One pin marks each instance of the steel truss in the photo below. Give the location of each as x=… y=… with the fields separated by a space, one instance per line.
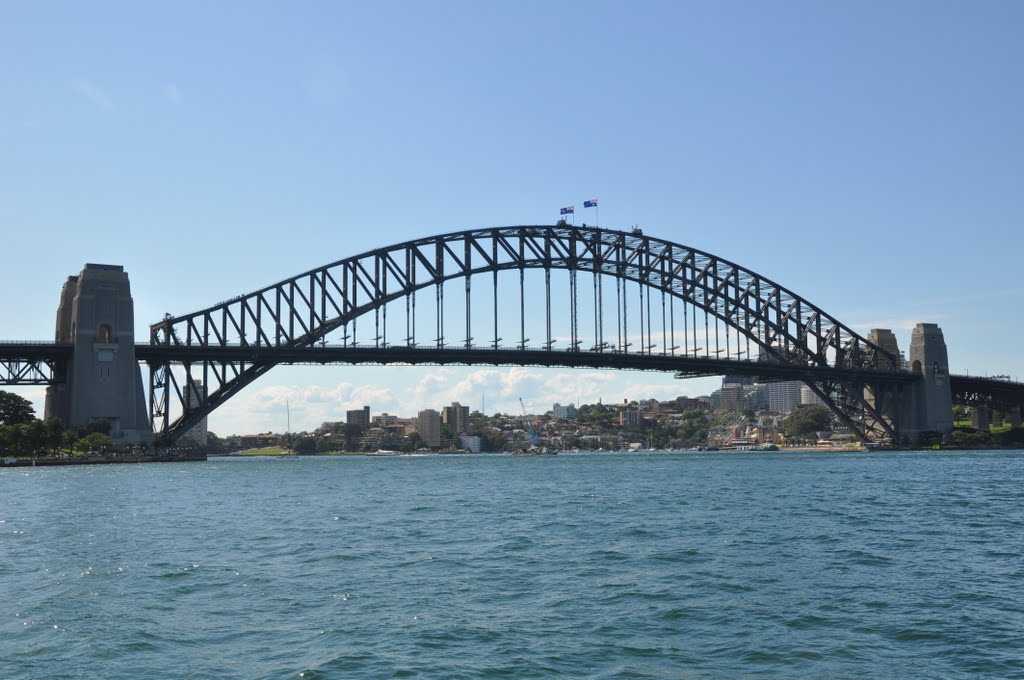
x=1000 y=394
x=301 y=311
x=33 y=363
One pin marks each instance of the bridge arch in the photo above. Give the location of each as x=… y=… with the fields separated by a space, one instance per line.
x=303 y=310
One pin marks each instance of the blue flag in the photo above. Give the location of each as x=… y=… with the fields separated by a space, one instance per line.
x=592 y=203
x=571 y=210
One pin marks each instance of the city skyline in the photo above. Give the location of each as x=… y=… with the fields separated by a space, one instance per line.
x=865 y=157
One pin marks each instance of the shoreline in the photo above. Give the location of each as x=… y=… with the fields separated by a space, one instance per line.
x=101 y=460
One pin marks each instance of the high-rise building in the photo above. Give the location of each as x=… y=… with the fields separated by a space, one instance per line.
x=567 y=412
x=455 y=419
x=629 y=417
x=359 y=417
x=757 y=397
x=715 y=400
x=197 y=434
x=428 y=425
x=733 y=397
x=784 y=396
x=809 y=397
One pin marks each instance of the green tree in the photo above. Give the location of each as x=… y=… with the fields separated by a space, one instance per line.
x=54 y=434
x=94 y=441
x=351 y=434
x=15 y=409
x=8 y=437
x=304 y=445
x=805 y=421
x=415 y=441
x=214 y=444
x=34 y=434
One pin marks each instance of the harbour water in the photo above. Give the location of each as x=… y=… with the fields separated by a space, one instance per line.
x=651 y=565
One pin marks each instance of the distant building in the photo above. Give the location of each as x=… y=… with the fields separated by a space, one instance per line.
x=197 y=435
x=455 y=419
x=715 y=400
x=470 y=442
x=688 y=403
x=567 y=412
x=428 y=425
x=629 y=417
x=259 y=441
x=757 y=397
x=809 y=397
x=359 y=417
x=784 y=397
x=384 y=419
x=734 y=397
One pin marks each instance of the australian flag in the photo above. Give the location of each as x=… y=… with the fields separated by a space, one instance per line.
x=571 y=210
x=592 y=203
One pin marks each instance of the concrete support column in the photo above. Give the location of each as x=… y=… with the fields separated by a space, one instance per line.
x=931 y=400
x=1015 y=417
x=980 y=418
x=888 y=408
x=103 y=382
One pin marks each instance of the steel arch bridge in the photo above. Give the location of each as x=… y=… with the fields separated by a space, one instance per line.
x=674 y=308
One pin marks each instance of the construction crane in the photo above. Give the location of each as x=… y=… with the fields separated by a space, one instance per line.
x=534 y=438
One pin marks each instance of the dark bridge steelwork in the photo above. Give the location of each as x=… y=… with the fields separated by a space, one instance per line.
x=999 y=394
x=33 y=363
x=726 y=311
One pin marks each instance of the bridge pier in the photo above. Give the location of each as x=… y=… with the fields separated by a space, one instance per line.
x=997 y=419
x=103 y=381
x=981 y=418
x=931 y=399
x=1014 y=416
x=889 y=405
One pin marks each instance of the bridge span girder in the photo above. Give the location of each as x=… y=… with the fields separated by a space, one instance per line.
x=33 y=363
x=199 y=360
x=753 y=312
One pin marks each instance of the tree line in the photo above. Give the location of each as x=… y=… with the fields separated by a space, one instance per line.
x=22 y=433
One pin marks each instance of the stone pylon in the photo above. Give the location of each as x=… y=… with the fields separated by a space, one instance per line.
x=931 y=403
x=887 y=404
x=103 y=381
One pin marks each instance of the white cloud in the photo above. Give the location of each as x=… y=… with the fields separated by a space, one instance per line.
x=93 y=93
x=267 y=408
x=406 y=390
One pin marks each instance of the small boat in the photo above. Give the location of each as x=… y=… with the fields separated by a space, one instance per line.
x=535 y=451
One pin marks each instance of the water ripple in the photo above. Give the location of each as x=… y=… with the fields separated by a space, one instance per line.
x=602 y=566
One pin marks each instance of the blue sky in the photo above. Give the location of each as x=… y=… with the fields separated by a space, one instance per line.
x=866 y=155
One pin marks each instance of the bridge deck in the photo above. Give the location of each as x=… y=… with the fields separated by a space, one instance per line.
x=33 y=362
x=508 y=356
